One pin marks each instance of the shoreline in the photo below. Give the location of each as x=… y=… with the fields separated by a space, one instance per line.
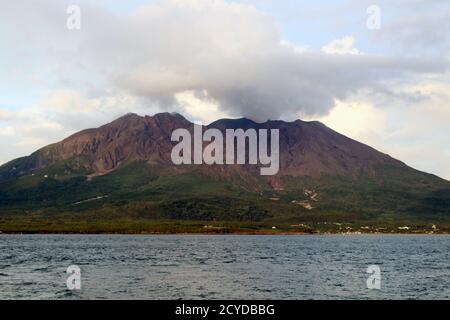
x=223 y=234
x=126 y=227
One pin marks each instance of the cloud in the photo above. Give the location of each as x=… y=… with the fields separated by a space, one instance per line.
x=358 y=119
x=5 y=114
x=232 y=51
x=200 y=107
x=6 y=132
x=341 y=46
x=416 y=131
x=58 y=114
x=235 y=53
x=411 y=26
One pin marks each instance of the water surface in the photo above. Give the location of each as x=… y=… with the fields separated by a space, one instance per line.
x=224 y=267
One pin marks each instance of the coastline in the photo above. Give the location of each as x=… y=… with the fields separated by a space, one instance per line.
x=226 y=234
x=180 y=227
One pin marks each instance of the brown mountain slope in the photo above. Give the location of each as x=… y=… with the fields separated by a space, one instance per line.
x=306 y=148
x=124 y=170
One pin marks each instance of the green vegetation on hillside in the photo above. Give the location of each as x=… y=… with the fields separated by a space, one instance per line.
x=137 y=198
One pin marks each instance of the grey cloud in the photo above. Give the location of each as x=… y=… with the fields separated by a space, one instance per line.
x=412 y=26
x=232 y=51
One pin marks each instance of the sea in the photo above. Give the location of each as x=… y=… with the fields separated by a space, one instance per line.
x=198 y=267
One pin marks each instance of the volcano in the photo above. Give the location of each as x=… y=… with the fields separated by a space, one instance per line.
x=123 y=170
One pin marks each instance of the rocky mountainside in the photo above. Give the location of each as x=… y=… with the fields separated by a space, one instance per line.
x=124 y=169
x=306 y=148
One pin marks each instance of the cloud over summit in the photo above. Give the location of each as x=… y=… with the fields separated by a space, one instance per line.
x=231 y=51
x=236 y=54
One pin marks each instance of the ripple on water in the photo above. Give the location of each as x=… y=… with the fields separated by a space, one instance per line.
x=220 y=267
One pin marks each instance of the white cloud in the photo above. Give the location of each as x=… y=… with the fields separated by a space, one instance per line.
x=58 y=114
x=5 y=114
x=416 y=132
x=345 y=45
x=231 y=50
x=7 y=131
x=236 y=53
x=199 y=107
x=294 y=47
x=357 y=119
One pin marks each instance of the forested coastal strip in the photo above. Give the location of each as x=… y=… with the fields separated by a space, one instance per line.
x=58 y=226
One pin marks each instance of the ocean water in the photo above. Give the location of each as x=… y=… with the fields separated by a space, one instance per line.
x=224 y=267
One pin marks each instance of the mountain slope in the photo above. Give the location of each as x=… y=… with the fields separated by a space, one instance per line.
x=306 y=148
x=123 y=169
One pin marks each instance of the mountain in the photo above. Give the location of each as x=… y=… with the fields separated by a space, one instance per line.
x=123 y=170
x=306 y=148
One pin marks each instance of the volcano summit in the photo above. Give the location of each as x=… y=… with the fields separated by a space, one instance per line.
x=120 y=178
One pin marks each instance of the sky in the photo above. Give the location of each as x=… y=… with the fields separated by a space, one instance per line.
x=377 y=71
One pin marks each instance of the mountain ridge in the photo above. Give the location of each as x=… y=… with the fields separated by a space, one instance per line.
x=111 y=146
x=123 y=170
